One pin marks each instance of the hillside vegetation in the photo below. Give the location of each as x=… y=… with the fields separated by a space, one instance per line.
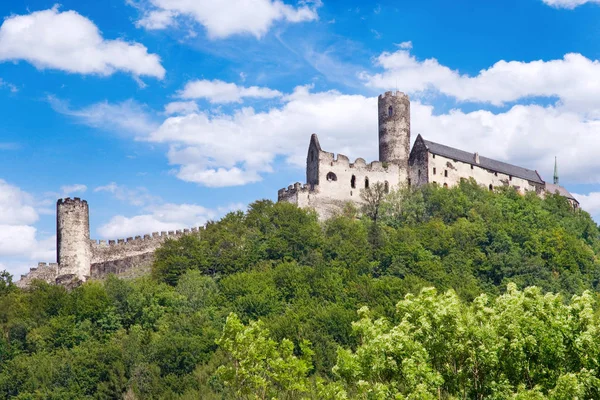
x=428 y=296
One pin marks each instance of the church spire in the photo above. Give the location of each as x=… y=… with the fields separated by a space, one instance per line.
x=555 y=171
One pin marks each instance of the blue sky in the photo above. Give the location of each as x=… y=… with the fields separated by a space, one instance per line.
x=166 y=113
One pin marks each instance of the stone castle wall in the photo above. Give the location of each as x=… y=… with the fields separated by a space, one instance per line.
x=119 y=256
x=438 y=167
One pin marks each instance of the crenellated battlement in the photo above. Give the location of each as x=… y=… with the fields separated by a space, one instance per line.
x=73 y=201
x=147 y=238
x=396 y=93
x=111 y=250
x=46 y=272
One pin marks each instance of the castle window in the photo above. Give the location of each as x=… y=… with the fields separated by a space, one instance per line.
x=446 y=173
x=434 y=170
x=445 y=185
x=471 y=166
x=353 y=182
x=386 y=188
x=419 y=175
x=433 y=155
x=409 y=182
x=390 y=111
x=366 y=183
x=491 y=187
x=331 y=177
x=495 y=173
x=510 y=177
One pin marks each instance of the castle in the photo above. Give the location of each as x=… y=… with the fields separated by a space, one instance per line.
x=330 y=183
x=79 y=258
x=333 y=181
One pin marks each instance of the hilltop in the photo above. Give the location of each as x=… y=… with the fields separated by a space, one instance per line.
x=165 y=335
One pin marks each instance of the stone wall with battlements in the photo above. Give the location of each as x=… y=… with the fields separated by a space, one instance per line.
x=119 y=256
x=339 y=181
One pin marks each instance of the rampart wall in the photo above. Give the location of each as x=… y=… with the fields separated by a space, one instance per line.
x=119 y=257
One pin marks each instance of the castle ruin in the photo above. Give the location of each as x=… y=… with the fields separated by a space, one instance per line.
x=333 y=181
x=79 y=258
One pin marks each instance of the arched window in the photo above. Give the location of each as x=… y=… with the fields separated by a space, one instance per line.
x=390 y=111
x=491 y=187
x=445 y=185
x=366 y=183
x=353 y=182
x=386 y=187
x=331 y=177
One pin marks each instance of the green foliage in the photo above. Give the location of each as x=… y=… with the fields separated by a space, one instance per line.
x=259 y=367
x=523 y=344
x=291 y=280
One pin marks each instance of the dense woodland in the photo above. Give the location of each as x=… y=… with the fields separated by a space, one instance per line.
x=433 y=293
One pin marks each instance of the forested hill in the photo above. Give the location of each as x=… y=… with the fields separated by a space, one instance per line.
x=424 y=297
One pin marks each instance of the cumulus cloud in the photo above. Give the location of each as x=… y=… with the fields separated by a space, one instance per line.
x=128 y=117
x=569 y=4
x=70 y=189
x=165 y=217
x=138 y=196
x=217 y=91
x=70 y=42
x=238 y=148
x=181 y=107
x=589 y=202
x=18 y=236
x=222 y=19
x=574 y=79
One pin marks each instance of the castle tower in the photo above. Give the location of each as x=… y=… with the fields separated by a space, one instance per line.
x=394 y=129
x=73 y=248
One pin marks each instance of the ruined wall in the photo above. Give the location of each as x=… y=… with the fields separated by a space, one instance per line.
x=73 y=252
x=394 y=128
x=120 y=257
x=457 y=170
x=312 y=161
x=419 y=164
x=339 y=182
x=44 y=272
x=111 y=250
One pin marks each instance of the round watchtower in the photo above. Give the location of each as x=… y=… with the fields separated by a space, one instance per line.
x=394 y=129
x=73 y=248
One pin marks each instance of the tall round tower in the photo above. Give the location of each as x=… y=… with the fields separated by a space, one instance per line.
x=73 y=247
x=394 y=129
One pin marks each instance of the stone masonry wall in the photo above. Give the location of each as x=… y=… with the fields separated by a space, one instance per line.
x=457 y=170
x=113 y=256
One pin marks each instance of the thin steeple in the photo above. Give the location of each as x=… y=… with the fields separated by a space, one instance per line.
x=555 y=171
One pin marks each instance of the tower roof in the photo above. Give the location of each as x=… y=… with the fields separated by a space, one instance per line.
x=484 y=162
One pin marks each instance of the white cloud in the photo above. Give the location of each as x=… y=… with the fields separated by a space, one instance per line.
x=406 y=45
x=138 y=196
x=236 y=149
x=181 y=107
x=222 y=19
x=16 y=206
x=18 y=237
x=127 y=117
x=227 y=150
x=70 y=42
x=569 y=4
x=166 y=217
x=70 y=189
x=575 y=79
x=589 y=202
x=157 y=20
x=217 y=91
